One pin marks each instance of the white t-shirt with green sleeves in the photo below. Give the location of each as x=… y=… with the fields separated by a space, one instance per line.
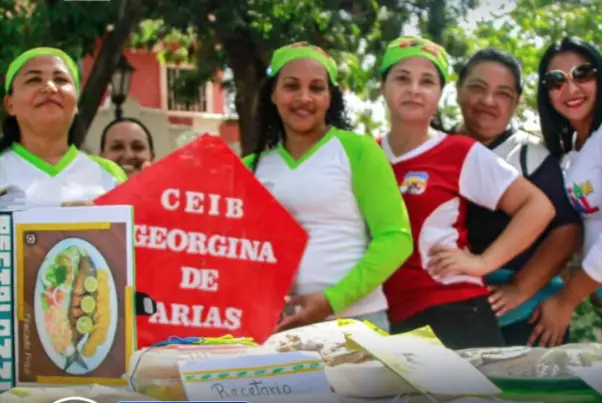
x=344 y=193
x=26 y=181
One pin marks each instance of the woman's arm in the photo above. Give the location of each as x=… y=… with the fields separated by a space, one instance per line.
x=545 y=263
x=563 y=237
x=530 y=211
x=554 y=315
x=489 y=181
x=587 y=279
x=379 y=199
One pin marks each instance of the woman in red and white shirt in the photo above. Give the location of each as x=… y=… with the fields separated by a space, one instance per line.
x=441 y=283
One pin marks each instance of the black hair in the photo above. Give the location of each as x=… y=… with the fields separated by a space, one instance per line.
x=149 y=137
x=269 y=130
x=493 y=55
x=11 y=133
x=556 y=129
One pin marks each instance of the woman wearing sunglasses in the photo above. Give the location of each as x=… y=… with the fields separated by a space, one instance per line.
x=441 y=284
x=570 y=109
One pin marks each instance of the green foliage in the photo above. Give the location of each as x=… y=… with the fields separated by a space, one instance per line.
x=586 y=325
x=215 y=34
x=242 y=35
x=71 y=26
x=529 y=28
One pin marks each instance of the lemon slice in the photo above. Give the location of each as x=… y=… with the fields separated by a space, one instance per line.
x=90 y=284
x=88 y=304
x=84 y=325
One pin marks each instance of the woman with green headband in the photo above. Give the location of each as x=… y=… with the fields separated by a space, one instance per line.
x=441 y=284
x=39 y=163
x=338 y=185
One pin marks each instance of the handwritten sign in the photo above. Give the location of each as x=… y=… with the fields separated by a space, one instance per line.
x=256 y=377
x=430 y=368
x=214 y=249
x=590 y=375
x=7 y=361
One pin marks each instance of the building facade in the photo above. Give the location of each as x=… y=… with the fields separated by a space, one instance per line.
x=172 y=119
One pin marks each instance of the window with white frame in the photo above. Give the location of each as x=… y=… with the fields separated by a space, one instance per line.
x=183 y=92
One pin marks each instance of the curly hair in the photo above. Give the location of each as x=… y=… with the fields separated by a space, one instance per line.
x=269 y=129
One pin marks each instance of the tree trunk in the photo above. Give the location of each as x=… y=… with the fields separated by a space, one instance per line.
x=244 y=58
x=105 y=64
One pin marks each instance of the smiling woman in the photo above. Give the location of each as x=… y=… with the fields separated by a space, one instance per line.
x=441 y=283
x=129 y=143
x=39 y=164
x=336 y=184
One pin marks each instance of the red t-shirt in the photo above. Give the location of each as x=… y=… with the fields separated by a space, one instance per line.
x=437 y=179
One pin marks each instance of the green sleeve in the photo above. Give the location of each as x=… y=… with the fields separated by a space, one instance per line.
x=379 y=199
x=248 y=160
x=111 y=167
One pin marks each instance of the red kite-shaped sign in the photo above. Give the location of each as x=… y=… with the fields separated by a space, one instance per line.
x=214 y=249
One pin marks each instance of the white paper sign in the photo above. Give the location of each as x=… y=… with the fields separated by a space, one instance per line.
x=256 y=378
x=430 y=368
x=590 y=375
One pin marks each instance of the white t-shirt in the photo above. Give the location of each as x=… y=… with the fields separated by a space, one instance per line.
x=343 y=192
x=584 y=188
x=26 y=181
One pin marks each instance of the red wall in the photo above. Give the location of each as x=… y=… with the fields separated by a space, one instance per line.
x=146 y=88
x=146 y=80
x=219 y=96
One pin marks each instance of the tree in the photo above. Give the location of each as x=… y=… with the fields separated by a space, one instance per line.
x=241 y=35
x=529 y=28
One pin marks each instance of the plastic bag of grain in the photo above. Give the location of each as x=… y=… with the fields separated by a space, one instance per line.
x=351 y=371
x=154 y=371
x=354 y=373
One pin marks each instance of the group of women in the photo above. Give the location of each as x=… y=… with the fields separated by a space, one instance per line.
x=465 y=230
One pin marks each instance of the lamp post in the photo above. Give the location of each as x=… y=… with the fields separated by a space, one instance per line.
x=120 y=85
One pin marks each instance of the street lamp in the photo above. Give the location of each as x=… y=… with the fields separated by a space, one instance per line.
x=120 y=84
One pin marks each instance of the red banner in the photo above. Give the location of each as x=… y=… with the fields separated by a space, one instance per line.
x=214 y=249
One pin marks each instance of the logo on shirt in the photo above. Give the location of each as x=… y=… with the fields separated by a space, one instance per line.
x=578 y=194
x=414 y=183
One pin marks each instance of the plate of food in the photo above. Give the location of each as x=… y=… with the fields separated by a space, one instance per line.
x=75 y=306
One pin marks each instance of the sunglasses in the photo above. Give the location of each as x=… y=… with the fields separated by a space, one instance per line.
x=555 y=79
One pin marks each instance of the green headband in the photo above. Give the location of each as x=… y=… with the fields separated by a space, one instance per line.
x=302 y=50
x=405 y=47
x=24 y=57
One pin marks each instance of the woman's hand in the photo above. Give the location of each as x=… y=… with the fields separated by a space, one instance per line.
x=77 y=204
x=505 y=298
x=553 y=318
x=313 y=308
x=446 y=261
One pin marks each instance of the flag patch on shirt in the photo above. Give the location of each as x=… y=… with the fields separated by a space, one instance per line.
x=414 y=183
